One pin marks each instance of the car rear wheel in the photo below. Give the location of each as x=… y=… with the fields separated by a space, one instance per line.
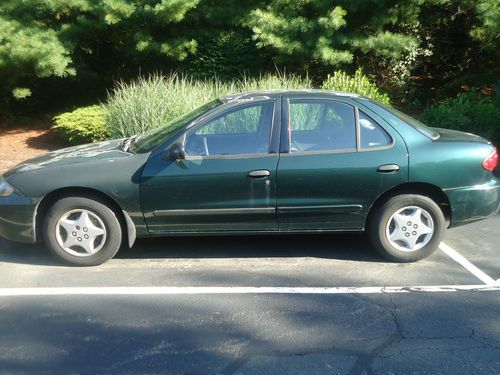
x=407 y=228
x=82 y=231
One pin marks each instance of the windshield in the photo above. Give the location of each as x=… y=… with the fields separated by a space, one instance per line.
x=394 y=117
x=149 y=140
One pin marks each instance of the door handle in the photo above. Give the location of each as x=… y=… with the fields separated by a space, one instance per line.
x=259 y=173
x=387 y=168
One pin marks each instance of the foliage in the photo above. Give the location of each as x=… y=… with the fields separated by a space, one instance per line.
x=487 y=30
x=469 y=112
x=83 y=125
x=148 y=102
x=456 y=45
x=21 y=93
x=59 y=52
x=226 y=55
x=329 y=32
x=30 y=49
x=66 y=37
x=357 y=84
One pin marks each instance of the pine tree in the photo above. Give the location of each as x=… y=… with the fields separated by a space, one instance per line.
x=331 y=32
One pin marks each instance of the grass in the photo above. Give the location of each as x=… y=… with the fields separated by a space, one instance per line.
x=148 y=102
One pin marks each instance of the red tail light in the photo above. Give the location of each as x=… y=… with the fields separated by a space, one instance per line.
x=491 y=161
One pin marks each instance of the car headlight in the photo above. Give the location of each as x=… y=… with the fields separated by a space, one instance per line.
x=5 y=188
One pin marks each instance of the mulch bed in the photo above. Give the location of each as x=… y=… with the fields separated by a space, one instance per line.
x=18 y=143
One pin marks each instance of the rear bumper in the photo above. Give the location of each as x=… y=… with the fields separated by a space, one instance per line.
x=17 y=215
x=473 y=203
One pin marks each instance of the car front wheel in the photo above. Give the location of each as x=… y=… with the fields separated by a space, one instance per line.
x=82 y=231
x=407 y=228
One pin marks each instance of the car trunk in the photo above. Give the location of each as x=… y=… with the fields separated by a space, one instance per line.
x=448 y=135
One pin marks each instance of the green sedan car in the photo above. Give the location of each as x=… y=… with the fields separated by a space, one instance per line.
x=264 y=162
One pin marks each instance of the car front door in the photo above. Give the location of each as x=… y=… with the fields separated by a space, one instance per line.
x=227 y=180
x=335 y=161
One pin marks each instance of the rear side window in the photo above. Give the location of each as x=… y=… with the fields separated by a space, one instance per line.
x=321 y=125
x=396 y=118
x=372 y=135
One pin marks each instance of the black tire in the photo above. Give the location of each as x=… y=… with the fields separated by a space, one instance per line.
x=381 y=216
x=109 y=219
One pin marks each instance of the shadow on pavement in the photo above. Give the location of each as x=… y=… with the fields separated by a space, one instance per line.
x=354 y=247
x=279 y=334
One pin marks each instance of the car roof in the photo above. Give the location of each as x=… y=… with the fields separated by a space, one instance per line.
x=263 y=94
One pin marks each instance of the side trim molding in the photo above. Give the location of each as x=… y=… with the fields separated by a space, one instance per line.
x=216 y=211
x=341 y=208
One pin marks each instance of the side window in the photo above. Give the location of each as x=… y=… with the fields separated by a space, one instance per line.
x=371 y=133
x=321 y=125
x=241 y=130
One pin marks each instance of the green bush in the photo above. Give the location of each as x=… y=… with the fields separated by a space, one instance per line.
x=149 y=102
x=468 y=112
x=83 y=125
x=357 y=84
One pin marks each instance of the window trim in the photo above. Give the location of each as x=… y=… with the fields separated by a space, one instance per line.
x=234 y=108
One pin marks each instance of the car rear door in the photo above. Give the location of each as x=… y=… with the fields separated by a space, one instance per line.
x=335 y=160
x=227 y=181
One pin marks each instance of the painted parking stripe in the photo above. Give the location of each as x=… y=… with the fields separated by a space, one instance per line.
x=453 y=254
x=165 y=290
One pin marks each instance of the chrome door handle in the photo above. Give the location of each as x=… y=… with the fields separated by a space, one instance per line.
x=259 y=173
x=387 y=168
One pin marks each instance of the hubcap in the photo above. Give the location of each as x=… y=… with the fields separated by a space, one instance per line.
x=80 y=233
x=410 y=228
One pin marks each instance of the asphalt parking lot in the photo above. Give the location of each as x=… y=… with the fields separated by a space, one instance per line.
x=255 y=305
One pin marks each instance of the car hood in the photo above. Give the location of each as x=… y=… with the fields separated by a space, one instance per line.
x=71 y=155
x=448 y=135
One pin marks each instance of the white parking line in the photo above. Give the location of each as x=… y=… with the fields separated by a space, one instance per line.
x=57 y=291
x=453 y=254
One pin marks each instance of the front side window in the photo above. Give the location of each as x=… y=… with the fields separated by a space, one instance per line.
x=372 y=134
x=149 y=140
x=321 y=126
x=241 y=130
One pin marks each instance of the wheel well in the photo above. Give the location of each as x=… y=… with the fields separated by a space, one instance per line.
x=55 y=195
x=428 y=190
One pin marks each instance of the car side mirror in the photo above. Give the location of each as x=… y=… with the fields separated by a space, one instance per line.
x=175 y=152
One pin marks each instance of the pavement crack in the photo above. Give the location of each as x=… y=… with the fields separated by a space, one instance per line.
x=247 y=357
x=365 y=361
x=482 y=340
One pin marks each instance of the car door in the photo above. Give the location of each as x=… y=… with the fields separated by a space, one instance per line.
x=335 y=161
x=227 y=181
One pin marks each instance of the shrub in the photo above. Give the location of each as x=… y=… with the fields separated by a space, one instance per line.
x=468 y=112
x=149 y=102
x=83 y=125
x=357 y=84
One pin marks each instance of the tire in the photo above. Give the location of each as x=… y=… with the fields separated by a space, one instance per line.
x=400 y=232
x=88 y=227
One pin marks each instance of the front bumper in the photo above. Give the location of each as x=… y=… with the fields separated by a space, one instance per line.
x=17 y=217
x=473 y=203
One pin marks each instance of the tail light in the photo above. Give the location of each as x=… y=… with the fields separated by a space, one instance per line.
x=491 y=161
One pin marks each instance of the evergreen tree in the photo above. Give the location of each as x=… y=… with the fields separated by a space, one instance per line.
x=331 y=32
x=63 y=37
